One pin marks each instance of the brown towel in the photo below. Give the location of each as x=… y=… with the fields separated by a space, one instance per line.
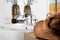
x=49 y=28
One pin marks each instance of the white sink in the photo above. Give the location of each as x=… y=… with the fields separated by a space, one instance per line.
x=16 y=27
x=12 y=32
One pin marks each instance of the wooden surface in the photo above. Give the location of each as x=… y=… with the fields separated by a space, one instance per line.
x=29 y=36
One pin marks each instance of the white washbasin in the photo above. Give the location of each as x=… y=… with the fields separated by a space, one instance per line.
x=15 y=27
x=12 y=32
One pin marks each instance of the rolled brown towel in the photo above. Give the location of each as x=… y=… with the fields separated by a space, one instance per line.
x=38 y=27
x=49 y=28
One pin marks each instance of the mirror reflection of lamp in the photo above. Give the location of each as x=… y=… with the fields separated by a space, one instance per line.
x=15 y=12
x=27 y=8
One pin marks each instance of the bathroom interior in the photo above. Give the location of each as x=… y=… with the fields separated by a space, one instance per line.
x=19 y=17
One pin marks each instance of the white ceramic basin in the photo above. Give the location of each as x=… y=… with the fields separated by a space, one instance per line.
x=16 y=27
x=12 y=32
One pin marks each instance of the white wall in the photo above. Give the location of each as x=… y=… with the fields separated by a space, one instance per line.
x=40 y=9
x=5 y=11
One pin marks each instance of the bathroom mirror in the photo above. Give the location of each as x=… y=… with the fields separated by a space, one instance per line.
x=39 y=9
